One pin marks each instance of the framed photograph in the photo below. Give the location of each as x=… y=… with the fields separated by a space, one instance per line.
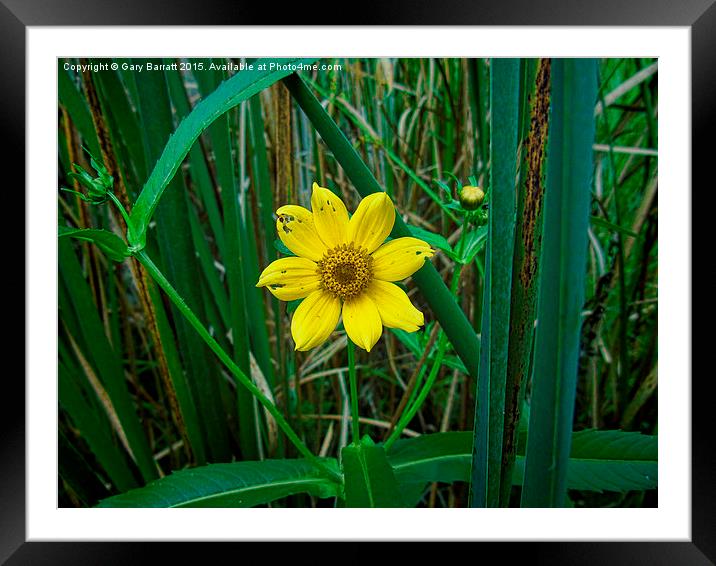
x=363 y=283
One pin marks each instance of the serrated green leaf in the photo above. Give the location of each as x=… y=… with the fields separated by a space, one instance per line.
x=239 y=484
x=609 y=460
x=601 y=460
x=108 y=242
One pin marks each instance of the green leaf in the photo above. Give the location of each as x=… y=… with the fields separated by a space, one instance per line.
x=409 y=340
x=369 y=478
x=234 y=259
x=92 y=424
x=239 y=484
x=601 y=460
x=563 y=268
x=230 y=93
x=101 y=355
x=281 y=247
x=76 y=106
x=435 y=240
x=177 y=256
x=441 y=457
x=412 y=493
x=609 y=460
x=474 y=242
x=108 y=242
x=613 y=461
x=490 y=399
x=534 y=112
x=611 y=226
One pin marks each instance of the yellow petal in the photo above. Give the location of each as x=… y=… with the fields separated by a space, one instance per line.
x=290 y=278
x=372 y=222
x=296 y=229
x=394 y=306
x=330 y=216
x=400 y=258
x=314 y=320
x=361 y=320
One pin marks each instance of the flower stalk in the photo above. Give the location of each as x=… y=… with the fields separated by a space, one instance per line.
x=355 y=417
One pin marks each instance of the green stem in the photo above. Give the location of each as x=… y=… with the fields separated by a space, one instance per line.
x=119 y=206
x=463 y=236
x=456 y=278
x=354 y=391
x=162 y=281
x=415 y=407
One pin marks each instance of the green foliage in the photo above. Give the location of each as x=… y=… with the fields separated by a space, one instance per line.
x=230 y=93
x=370 y=481
x=600 y=460
x=490 y=408
x=240 y=484
x=97 y=187
x=108 y=242
x=170 y=357
x=562 y=275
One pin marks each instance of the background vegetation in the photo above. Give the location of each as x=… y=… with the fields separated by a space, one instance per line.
x=142 y=395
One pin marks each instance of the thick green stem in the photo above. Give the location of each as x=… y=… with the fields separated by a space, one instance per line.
x=354 y=391
x=162 y=281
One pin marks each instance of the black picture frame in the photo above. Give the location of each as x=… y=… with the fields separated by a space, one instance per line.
x=699 y=15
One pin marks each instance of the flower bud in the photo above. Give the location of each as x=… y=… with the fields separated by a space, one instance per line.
x=471 y=197
x=96 y=187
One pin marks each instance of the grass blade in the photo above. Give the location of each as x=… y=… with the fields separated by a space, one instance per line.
x=566 y=220
x=78 y=401
x=504 y=96
x=104 y=357
x=76 y=106
x=179 y=262
x=234 y=260
x=526 y=258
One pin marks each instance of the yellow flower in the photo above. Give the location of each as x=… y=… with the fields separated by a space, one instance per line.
x=341 y=267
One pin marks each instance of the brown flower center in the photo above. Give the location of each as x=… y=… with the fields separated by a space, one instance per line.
x=345 y=270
